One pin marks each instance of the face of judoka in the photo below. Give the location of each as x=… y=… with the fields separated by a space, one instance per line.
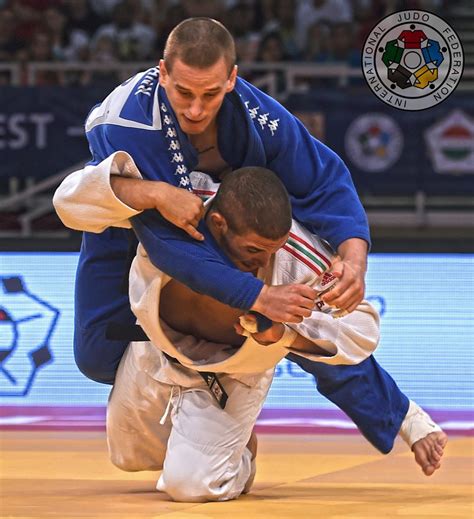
x=248 y=250
x=196 y=95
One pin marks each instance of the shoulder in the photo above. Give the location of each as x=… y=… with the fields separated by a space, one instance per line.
x=258 y=102
x=269 y=117
x=133 y=104
x=304 y=258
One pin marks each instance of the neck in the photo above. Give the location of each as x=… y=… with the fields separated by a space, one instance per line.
x=205 y=140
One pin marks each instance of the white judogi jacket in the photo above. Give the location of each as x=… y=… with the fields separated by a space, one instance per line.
x=303 y=259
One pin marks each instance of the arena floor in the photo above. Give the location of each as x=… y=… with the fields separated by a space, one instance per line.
x=67 y=475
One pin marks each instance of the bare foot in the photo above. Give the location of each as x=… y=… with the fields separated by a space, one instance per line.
x=429 y=451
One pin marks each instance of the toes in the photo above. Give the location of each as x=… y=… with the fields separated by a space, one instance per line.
x=439 y=449
x=435 y=456
x=443 y=440
x=428 y=470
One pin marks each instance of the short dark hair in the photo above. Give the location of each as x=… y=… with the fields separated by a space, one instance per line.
x=200 y=43
x=254 y=199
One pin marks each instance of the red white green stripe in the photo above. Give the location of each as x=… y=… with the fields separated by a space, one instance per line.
x=203 y=194
x=306 y=253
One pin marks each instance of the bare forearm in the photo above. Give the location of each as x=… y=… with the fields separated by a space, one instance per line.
x=354 y=251
x=137 y=193
x=178 y=206
x=350 y=268
x=306 y=346
x=299 y=343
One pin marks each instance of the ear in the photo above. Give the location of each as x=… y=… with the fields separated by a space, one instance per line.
x=218 y=222
x=231 y=80
x=163 y=73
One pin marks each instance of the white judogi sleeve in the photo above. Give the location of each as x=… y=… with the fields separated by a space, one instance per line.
x=349 y=339
x=85 y=200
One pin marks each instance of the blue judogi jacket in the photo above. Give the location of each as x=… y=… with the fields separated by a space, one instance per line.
x=253 y=130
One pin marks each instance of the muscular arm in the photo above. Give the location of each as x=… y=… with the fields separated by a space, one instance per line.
x=96 y=198
x=323 y=196
x=348 y=340
x=350 y=270
x=180 y=207
x=111 y=192
x=328 y=205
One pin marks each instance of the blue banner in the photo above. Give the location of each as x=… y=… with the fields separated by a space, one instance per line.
x=395 y=152
x=42 y=129
x=388 y=151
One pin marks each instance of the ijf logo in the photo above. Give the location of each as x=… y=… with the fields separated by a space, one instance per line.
x=374 y=142
x=26 y=326
x=412 y=60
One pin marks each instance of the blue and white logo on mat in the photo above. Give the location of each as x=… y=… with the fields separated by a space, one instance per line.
x=373 y=142
x=26 y=326
x=412 y=60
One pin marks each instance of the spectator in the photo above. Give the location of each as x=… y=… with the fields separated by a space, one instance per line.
x=272 y=50
x=103 y=50
x=241 y=21
x=29 y=16
x=341 y=48
x=134 y=40
x=40 y=49
x=284 y=22
x=264 y=14
x=210 y=8
x=366 y=14
x=329 y=11
x=163 y=21
x=55 y=24
x=82 y=23
x=317 y=44
x=10 y=44
x=105 y=8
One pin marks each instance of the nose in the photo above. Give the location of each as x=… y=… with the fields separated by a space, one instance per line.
x=195 y=109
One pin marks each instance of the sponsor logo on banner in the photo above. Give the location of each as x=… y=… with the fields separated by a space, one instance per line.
x=26 y=325
x=451 y=144
x=412 y=60
x=374 y=142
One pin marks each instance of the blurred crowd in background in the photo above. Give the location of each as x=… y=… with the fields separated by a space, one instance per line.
x=114 y=31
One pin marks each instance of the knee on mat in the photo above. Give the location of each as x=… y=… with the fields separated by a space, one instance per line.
x=131 y=462
x=194 y=487
x=190 y=491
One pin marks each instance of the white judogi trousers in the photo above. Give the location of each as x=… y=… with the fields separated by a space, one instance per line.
x=200 y=447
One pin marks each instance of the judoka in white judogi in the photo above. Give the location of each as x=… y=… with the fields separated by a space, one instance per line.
x=201 y=447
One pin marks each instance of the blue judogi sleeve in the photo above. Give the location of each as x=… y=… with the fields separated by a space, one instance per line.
x=323 y=196
x=201 y=264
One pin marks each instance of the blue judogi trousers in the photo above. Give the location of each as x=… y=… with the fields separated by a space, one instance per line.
x=366 y=393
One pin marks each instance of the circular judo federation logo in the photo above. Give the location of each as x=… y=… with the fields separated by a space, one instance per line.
x=412 y=60
x=374 y=142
